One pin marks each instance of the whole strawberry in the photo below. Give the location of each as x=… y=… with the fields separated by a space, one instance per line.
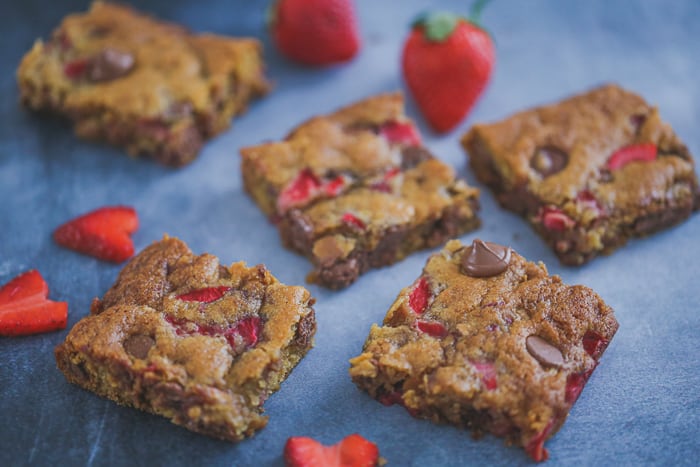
x=447 y=62
x=315 y=32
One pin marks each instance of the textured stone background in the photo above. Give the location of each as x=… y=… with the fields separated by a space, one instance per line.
x=642 y=405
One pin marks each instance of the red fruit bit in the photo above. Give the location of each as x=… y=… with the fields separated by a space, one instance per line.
x=353 y=221
x=535 y=448
x=395 y=397
x=574 y=385
x=644 y=152
x=25 y=308
x=432 y=328
x=102 y=233
x=75 y=68
x=555 y=219
x=594 y=344
x=418 y=299
x=488 y=373
x=304 y=187
x=248 y=328
x=206 y=295
x=351 y=451
x=334 y=187
x=383 y=185
x=401 y=133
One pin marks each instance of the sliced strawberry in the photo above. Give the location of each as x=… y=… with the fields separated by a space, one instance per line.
x=351 y=451
x=248 y=328
x=206 y=295
x=75 y=69
x=383 y=184
x=103 y=233
x=432 y=328
x=335 y=186
x=487 y=371
x=574 y=385
x=554 y=219
x=644 y=152
x=353 y=221
x=535 y=448
x=25 y=309
x=418 y=299
x=299 y=190
x=27 y=285
x=401 y=133
x=594 y=344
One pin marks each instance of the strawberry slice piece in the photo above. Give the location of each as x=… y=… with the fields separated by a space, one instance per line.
x=594 y=344
x=102 y=233
x=487 y=371
x=248 y=328
x=643 y=152
x=555 y=219
x=301 y=189
x=401 y=133
x=418 y=299
x=353 y=221
x=334 y=187
x=25 y=309
x=535 y=448
x=432 y=328
x=75 y=69
x=574 y=385
x=351 y=451
x=206 y=295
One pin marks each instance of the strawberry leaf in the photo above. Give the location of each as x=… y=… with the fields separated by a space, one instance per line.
x=437 y=25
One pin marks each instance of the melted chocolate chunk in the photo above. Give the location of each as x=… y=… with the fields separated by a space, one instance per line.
x=544 y=352
x=411 y=156
x=485 y=259
x=306 y=328
x=109 y=64
x=138 y=345
x=549 y=160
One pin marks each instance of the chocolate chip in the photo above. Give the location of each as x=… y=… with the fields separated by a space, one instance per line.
x=549 y=160
x=109 y=64
x=306 y=328
x=411 y=156
x=138 y=345
x=485 y=259
x=544 y=352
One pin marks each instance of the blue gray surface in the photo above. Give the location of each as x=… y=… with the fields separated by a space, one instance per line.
x=642 y=405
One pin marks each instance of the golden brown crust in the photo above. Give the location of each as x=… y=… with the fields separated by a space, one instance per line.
x=182 y=88
x=206 y=365
x=478 y=373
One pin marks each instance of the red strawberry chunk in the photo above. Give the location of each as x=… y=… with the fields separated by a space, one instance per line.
x=574 y=385
x=206 y=295
x=418 y=299
x=351 y=451
x=594 y=344
x=401 y=133
x=301 y=189
x=488 y=373
x=75 y=69
x=432 y=328
x=535 y=448
x=383 y=184
x=554 y=219
x=335 y=186
x=354 y=221
x=248 y=328
x=644 y=152
x=25 y=309
x=102 y=233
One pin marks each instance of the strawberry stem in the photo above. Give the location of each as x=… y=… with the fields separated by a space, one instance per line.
x=476 y=9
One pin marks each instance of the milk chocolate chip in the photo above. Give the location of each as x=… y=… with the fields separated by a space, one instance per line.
x=411 y=156
x=138 y=345
x=109 y=64
x=485 y=259
x=544 y=352
x=549 y=160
